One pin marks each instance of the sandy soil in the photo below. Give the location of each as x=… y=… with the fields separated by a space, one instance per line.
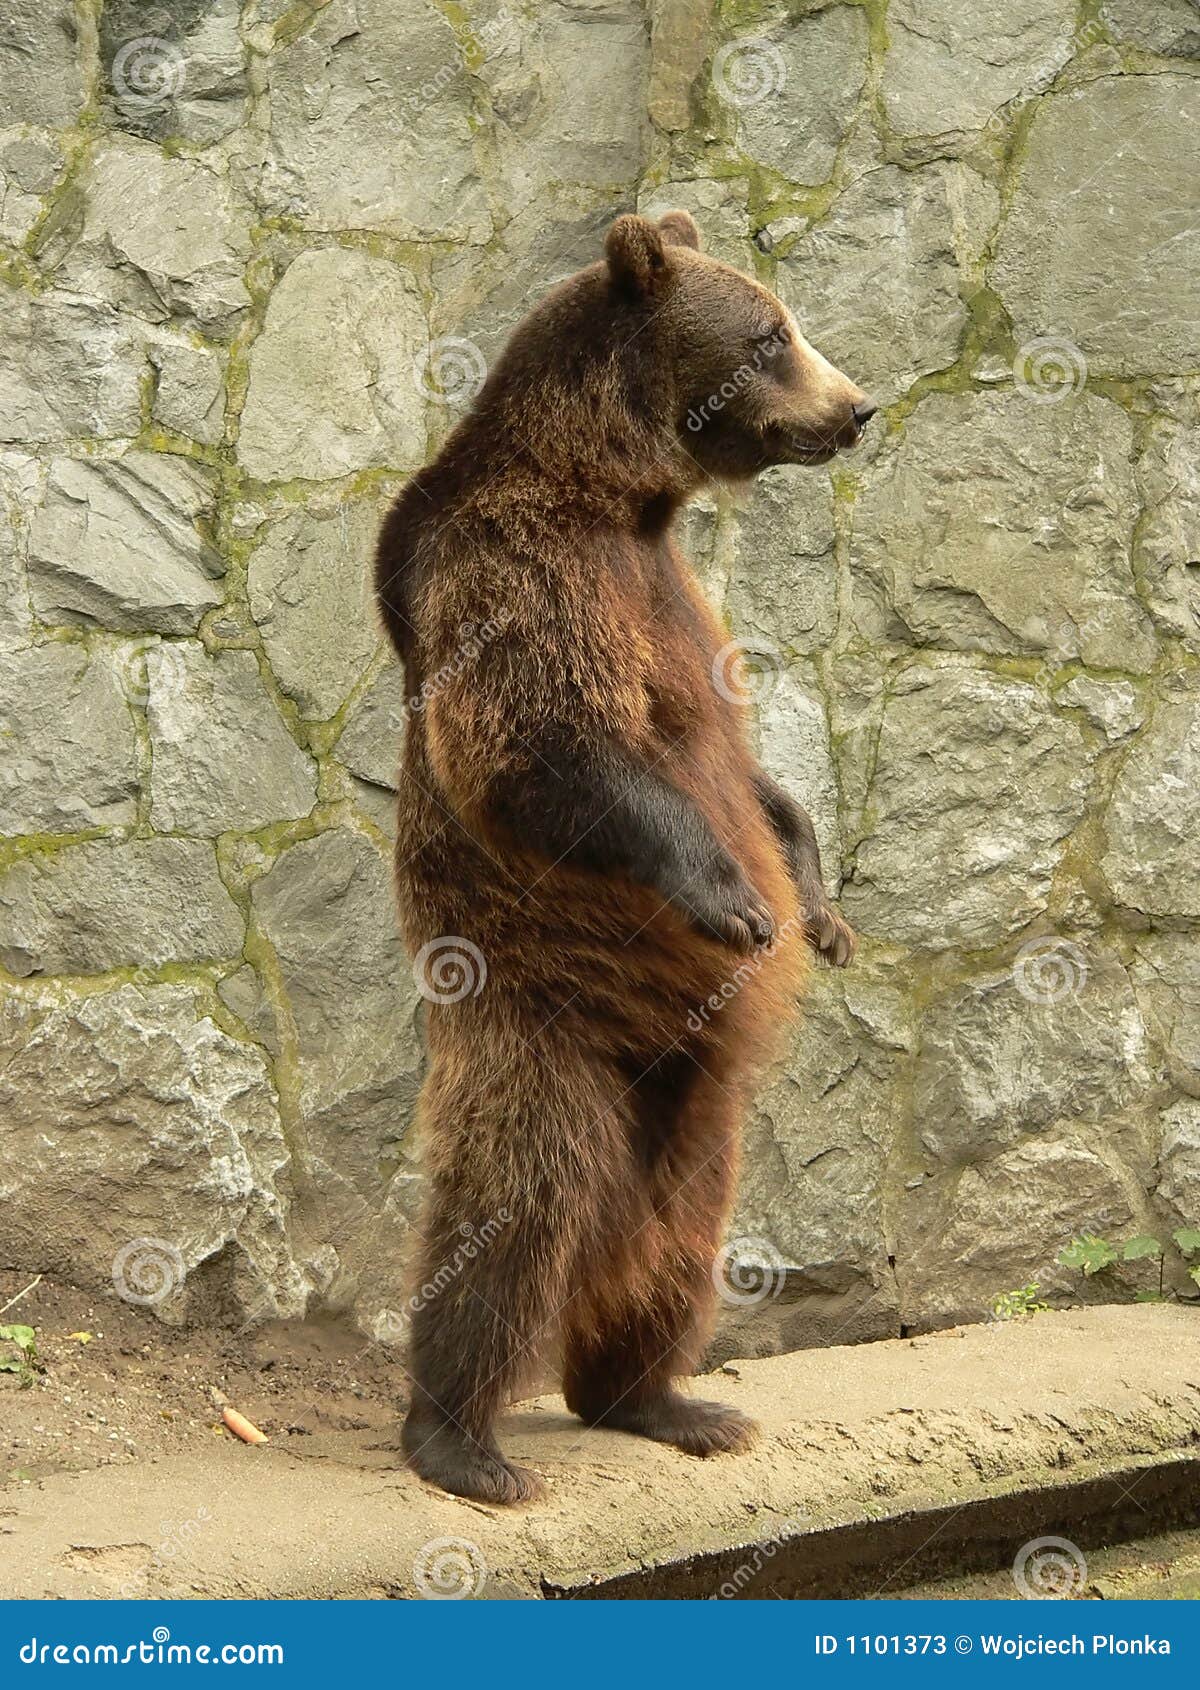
x=134 y=1390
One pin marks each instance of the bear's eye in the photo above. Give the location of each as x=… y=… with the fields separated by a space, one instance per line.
x=771 y=341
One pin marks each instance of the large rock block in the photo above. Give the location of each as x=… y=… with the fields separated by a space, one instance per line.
x=371 y=121
x=327 y=909
x=953 y=64
x=793 y=744
x=173 y=69
x=15 y=621
x=1152 y=821
x=1001 y=525
x=370 y=743
x=961 y=842
x=813 y=1184
x=1178 y=1189
x=189 y=390
x=31 y=163
x=68 y=367
x=1099 y=242
x=963 y=1239
x=567 y=87
x=1159 y=26
x=1056 y=1040
x=105 y=904
x=69 y=751
x=794 y=90
x=166 y=1173
x=1167 y=539
x=875 y=285
x=783 y=575
x=334 y=375
x=679 y=45
x=40 y=75
x=123 y=544
x=163 y=238
x=1111 y=706
x=310 y=594
x=222 y=757
x=19 y=483
x=1166 y=977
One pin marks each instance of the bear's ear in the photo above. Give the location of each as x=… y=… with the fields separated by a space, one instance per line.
x=636 y=260
x=678 y=228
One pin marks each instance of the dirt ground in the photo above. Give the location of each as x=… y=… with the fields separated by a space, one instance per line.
x=116 y=1386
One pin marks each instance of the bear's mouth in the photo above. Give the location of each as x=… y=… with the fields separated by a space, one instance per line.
x=809 y=453
x=792 y=446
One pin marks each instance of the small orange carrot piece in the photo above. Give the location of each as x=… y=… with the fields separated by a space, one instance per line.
x=242 y=1428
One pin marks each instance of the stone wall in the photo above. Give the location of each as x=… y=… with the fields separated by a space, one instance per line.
x=253 y=258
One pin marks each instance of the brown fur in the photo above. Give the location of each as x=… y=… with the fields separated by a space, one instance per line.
x=573 y=1093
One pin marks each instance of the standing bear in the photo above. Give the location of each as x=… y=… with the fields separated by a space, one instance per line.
x=584 y=831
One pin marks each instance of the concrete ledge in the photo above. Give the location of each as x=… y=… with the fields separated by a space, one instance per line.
x=879 y=1465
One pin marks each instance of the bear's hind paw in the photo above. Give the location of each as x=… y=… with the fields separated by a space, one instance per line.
x=696 y=1427
x=459 y=1465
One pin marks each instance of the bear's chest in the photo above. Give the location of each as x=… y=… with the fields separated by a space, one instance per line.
x=686 y=641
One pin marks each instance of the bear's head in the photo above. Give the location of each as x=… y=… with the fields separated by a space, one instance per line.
x=748 y=389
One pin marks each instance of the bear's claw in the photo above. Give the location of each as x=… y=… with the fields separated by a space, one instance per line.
x=831 y=937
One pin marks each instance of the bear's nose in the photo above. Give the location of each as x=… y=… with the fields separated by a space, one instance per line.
x=863 y=413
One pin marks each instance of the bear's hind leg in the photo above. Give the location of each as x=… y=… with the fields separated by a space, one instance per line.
x=517 y=1152
x=471 y=1336
x=626 y=1345
x=618 y=1380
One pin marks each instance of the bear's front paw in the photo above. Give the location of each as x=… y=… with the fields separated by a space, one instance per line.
x=831 y=937
x=731 y=911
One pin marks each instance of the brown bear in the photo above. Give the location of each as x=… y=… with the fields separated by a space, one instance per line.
x=582 y=828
